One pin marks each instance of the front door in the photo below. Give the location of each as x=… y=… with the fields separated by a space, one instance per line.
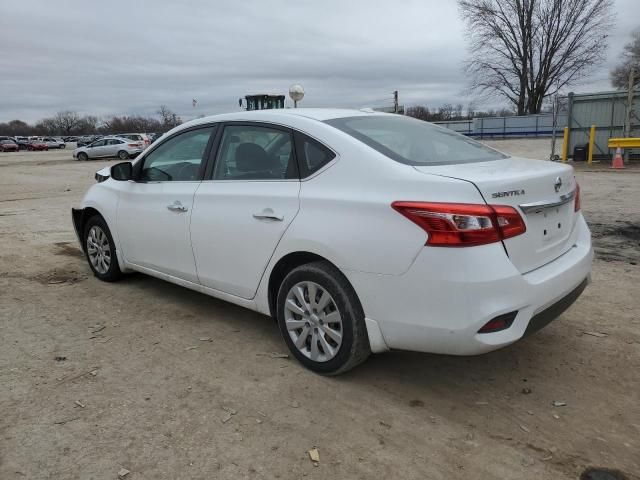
x=96 y=149
x=154 y=212
x=242 y=211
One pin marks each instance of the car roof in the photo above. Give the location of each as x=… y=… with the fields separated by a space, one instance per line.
x=275 y=115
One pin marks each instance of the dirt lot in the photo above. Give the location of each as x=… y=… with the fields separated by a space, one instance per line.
x=140 y=389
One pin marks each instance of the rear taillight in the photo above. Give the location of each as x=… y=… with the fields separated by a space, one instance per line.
x=133 y=145
x=462 y=224
x=576 y=205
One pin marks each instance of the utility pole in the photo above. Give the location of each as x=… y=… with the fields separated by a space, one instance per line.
x=627 y=118
x=395 y=101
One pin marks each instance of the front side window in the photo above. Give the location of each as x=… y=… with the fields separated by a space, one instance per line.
x=249 y=152
x=414 y=142
x=99 y=143
x=178 y=158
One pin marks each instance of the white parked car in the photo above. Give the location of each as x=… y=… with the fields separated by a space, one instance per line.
x=53 y=142
x=139 y=137
x=360 y=232
x=121 y=148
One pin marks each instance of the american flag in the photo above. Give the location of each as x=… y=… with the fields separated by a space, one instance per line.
x=194 y=102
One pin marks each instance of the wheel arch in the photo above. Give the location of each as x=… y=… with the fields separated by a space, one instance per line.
x=282 y=267
x=80 y=218
x=80 y=221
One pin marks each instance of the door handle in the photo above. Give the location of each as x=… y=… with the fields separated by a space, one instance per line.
x=177 y=207
x=268 y=214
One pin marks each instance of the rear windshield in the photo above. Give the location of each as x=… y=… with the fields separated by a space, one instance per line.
x=414 y=142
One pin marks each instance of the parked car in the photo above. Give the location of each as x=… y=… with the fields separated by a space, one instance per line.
x=69 y=139
x=37 y=145
x=121 y=148
x=23 y=142
x=358 y=231
x=87 y=139
x=53 y=143
x=8 y=145
x=143 y=137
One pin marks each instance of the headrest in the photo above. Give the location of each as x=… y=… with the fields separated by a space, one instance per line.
x=250 y=157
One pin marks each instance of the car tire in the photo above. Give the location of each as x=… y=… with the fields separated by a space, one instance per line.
x=122 y=155
x=63 y=146
x=311 y=326
x=100 y=250
x=83 y=157
x=30 y=149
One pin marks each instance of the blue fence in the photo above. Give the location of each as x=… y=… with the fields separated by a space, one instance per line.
x=503 y=127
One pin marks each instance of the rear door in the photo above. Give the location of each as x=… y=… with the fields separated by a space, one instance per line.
x=111 y=147
x=244 y=207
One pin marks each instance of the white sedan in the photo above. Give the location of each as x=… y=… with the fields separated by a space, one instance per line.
x=358 y=231
x=122 y=148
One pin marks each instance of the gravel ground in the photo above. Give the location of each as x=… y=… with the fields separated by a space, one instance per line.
x=169 y=383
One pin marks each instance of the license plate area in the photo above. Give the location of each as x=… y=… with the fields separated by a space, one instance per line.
x=551 y=224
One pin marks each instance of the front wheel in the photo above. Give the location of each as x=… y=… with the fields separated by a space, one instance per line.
x=63 y=146
x=122 y=155
x=100 y=250
x=321 y=319
x=83 y=157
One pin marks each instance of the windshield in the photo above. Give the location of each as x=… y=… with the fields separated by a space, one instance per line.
x=414 y=142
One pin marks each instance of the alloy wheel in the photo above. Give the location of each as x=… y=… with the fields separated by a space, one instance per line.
x=313 y=321
x=99 y=250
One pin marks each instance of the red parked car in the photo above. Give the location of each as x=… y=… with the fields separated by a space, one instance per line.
x=8 y=146
x=37 y=145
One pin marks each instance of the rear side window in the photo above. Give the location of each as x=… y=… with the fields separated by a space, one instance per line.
x=255 y=152
x=414 y=142
x=312 y=155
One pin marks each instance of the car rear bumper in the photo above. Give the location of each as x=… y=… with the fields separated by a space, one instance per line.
x=448 y=294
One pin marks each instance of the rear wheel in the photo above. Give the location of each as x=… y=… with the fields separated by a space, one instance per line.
x=100 y=250
x=321 y=319
x=122 y=155
x=83 y=156
x=63 y=146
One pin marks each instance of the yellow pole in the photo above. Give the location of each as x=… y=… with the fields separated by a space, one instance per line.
x=565 y=144
x=592 y=139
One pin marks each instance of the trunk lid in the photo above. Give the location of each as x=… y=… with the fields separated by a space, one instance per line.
x=542 y=192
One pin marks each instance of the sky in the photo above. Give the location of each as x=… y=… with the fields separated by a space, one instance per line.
x=130 y=56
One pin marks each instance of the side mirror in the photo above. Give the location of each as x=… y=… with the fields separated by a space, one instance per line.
x=122 y=171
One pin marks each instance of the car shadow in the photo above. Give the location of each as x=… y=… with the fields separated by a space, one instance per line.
x=516 y=364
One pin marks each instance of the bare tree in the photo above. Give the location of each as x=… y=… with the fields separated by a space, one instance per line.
x=169 y=118
x=524 y=50
x=446 y=111
x=630 y=58
x=420 y=112
x=66 y=122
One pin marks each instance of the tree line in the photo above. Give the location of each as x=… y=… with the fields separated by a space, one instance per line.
x=447 y=112
x=69 y=123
